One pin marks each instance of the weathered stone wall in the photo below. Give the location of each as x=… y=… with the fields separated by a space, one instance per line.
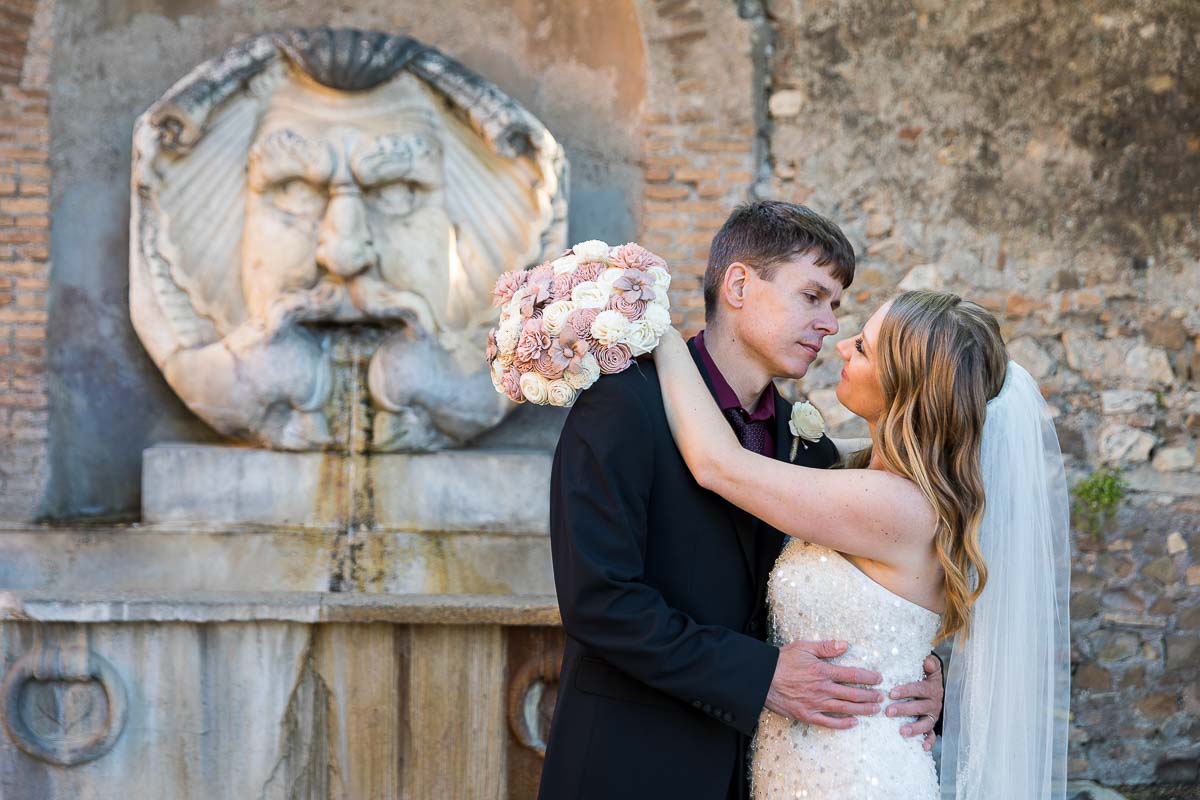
x=1044 y=160
x=24 y=254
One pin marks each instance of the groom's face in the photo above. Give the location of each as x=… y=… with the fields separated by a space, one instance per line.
x=786 y=319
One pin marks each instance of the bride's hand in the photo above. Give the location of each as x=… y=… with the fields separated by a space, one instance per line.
x=922 y=700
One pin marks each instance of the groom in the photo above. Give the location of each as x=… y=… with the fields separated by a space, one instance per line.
x=661 y=584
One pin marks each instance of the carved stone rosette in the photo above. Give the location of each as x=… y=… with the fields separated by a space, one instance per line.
x=318 y=218
x=64 y=705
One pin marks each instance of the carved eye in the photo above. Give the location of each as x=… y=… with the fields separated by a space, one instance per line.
x=398 y=197
x=299 y=198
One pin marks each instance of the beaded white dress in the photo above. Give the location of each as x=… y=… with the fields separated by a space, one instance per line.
x=816 y=594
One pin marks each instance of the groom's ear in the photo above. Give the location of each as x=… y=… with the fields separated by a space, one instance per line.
x=733 y=287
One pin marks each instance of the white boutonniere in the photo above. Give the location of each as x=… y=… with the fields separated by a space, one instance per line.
x=806 y=424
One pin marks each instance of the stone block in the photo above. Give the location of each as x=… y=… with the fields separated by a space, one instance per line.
x=470 y=490
x=1174 y=459
x=1030 y=355
x=1161 y=570
x=1093 y=677
x=1183 y=651
x=925 y=276
x=1123 y=445
x=1126 y=401
x=786 y=103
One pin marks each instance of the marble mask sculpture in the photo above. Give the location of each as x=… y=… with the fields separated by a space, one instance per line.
x=318 y=220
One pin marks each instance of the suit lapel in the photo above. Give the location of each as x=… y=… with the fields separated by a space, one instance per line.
x=783 y=436
x=742 y=522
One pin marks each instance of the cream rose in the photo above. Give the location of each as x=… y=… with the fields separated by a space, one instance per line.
x=658 y=318
x=561 y=394
x=610 y=328
x=641 y=338
x=661 y=278
x=507 y=336
x=662 y=299
x=589 y=294
x=566 y=264
x=593 y=250
x=609 y=277
x=554 y=316
x=589 y=372
x=806 y=422
x=535 y=388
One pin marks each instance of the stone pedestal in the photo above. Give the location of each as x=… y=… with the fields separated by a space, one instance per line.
x=284 y=696
x=477 y=491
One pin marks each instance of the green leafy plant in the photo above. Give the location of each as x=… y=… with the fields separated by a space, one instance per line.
x=1097 y=498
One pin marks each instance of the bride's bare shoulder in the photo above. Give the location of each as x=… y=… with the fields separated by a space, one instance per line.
x=898 y=504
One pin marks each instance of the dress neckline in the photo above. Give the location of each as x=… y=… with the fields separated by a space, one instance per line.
x=876 y=583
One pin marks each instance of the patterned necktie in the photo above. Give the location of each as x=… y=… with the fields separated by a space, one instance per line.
x=752 y=434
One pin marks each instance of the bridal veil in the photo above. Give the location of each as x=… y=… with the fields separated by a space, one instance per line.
x=1008 y=681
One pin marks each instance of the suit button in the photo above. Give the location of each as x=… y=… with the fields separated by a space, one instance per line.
x=728 y=717
x=696 y=704
x=707 y=708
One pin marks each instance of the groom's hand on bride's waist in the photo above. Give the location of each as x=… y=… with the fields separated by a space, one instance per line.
x=808 y=688
x=922 y=700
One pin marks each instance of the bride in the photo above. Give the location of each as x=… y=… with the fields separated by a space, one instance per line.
x=951 y=526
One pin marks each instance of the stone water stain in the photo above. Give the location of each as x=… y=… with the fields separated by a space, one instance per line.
x=347 y=492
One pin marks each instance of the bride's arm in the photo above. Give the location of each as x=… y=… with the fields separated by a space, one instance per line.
x=866 y=513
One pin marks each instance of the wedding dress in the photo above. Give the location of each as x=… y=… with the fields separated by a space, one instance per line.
x=816 y=594
x=1008 y=677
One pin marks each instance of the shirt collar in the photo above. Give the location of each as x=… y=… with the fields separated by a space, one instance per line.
x=764 y=409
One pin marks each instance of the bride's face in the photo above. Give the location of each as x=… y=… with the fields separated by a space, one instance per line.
x=859 y=389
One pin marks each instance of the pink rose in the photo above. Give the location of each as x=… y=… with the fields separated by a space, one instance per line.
x=547 y=367
x=492 y=349
x=612 y=359
x=634 y=285
x=561 y=286
x=634 y=256
x=534 y=342
x=542 y=272
x=631 y=309
x=589 y=271
x=580 y=322
x=510 y=382
x=507 y=285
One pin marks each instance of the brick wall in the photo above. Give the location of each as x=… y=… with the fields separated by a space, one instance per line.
x=24 y=256
x=700 y=137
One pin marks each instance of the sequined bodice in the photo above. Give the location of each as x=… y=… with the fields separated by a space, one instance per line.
x=816 y=594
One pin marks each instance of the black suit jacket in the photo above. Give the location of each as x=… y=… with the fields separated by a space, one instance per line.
x=661 y=589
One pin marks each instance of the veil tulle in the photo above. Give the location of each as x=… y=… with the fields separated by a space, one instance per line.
x=1008 y=681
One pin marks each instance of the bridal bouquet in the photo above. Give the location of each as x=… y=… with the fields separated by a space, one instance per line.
x=565 y=323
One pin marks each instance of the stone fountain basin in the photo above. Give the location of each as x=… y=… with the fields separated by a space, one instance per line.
x=286 y=625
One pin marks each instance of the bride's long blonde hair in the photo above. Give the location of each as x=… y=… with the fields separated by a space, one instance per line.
x=940 y=359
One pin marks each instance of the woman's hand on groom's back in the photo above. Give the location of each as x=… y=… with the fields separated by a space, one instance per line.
x=807 y=688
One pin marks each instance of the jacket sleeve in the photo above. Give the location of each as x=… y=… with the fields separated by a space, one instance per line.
x=600 y=495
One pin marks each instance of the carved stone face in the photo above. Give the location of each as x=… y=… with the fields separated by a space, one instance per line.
x=346 y=206
x=319 y=219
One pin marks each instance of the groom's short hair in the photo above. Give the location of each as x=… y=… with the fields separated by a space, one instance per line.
x=764 y=234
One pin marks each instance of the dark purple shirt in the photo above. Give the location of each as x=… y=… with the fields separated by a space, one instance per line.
x=764 y=410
